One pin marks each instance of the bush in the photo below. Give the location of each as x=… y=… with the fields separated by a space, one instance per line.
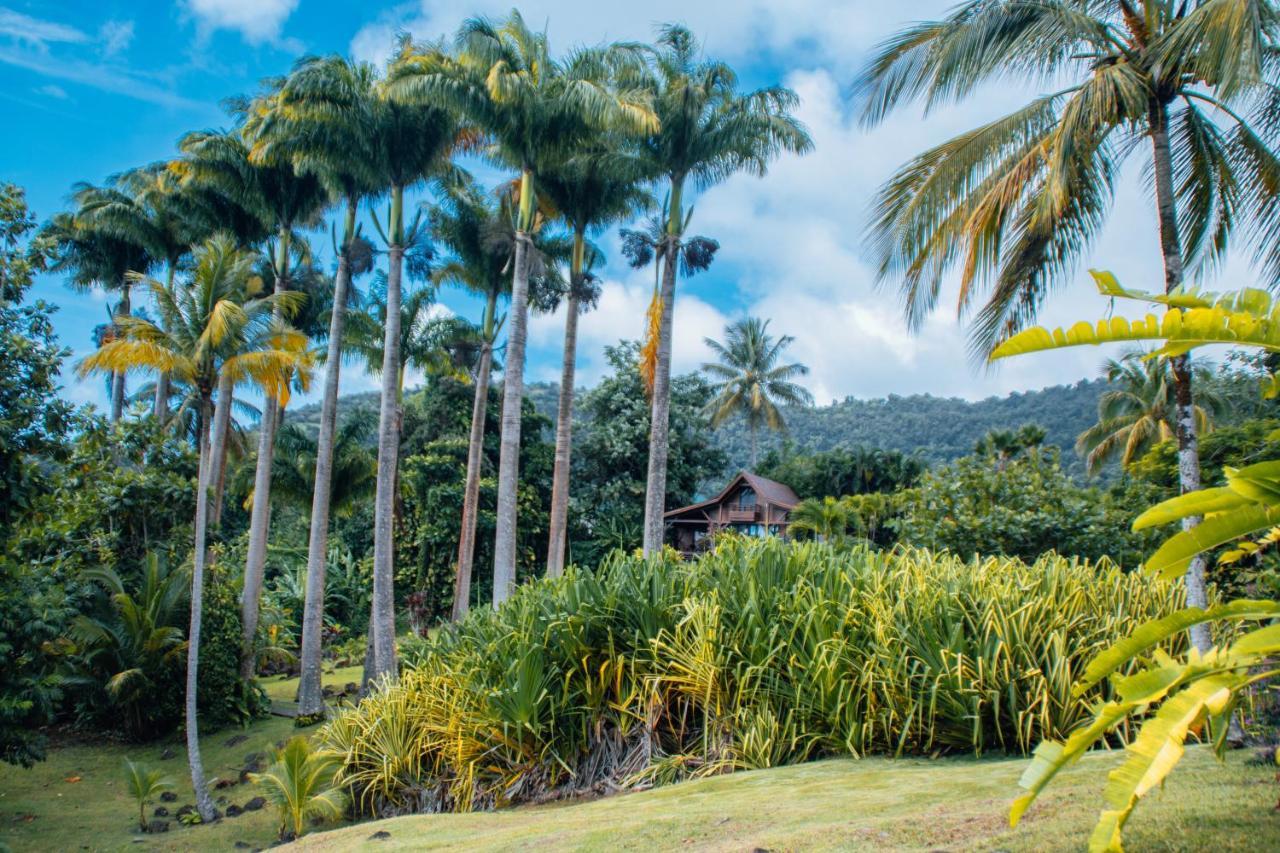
x=759 y=654
x=224 y=699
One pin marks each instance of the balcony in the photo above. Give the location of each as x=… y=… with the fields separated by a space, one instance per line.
x=747 y=515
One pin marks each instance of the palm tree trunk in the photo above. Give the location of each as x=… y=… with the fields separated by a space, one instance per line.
x=160 y=408
x=260 y=515
x=655 y=497
x=204 y=802
x=564 y=418
x=383 y=621
x=221 y=433
x=504 y=543
x=117 y=379
x=475 y=454
x=755 y=439
x=1184 y=405
x=310 y=699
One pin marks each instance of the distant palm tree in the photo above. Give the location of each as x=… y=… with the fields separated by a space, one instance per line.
x=750 y=382
x=1138 y=410
x=827 y=519
x=531 y=108
x=214 y=329
x=706 y=131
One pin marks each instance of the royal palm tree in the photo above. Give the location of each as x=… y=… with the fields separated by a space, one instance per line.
x=750 y=382
x=215 y=328
x=590 y=190
x=1015 y=202
x=1137 y=411
x=707 y=130
x=529 y=107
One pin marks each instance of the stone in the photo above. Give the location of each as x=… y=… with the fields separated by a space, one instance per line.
x=234 y=811
x=168 y=797
x=235 y=740
x=223 y=783
x=161 y=811
x=254 y=804
x=158 y=826
x=185 y=810
x=168 y=754
x=351 y=689
x=380 y=835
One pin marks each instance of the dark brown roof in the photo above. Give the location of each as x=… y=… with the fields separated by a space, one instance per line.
x=767 y=491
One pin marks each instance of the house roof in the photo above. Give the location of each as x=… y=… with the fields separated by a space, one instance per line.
x=768 y=491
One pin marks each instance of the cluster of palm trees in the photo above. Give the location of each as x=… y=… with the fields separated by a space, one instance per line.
x=591 y=139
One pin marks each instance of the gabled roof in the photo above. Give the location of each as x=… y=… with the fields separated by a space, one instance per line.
x=767 y=491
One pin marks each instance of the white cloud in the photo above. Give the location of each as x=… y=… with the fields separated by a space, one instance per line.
x=53 y=91
x=257 y=20
x=116 y=36
x=37 y=33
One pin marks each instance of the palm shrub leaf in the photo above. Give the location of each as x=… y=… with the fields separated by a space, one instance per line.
x=144 y=784
x=299 y=783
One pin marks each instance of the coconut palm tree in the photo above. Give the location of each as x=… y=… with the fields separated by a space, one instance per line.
x=1016 y=202
x=529 y=107
x=590 y=190
x=707 y=130
x=1137 y=411
x=215 y=328
x=750 y=382
x=827 y=518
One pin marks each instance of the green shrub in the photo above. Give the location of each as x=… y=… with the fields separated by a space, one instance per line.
x=223 y=697
x=761 y=653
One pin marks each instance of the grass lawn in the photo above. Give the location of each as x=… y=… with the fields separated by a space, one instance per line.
x=44 y=809
x=873 y=804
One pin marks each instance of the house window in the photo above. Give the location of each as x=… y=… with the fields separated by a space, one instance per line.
x=746 y=499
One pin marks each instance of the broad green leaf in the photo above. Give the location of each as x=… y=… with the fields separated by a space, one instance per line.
x=1202 y=502
x=1173 y=556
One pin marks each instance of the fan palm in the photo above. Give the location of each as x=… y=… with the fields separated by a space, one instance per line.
x=529 y=107
x=750 y=382
x=707 y=130
x=217 y=327
x=1014 y=203
x=1137 y=411
x=590 y=190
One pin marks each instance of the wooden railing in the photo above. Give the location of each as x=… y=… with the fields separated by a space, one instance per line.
x=741 y=514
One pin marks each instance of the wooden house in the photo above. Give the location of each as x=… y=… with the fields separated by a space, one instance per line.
x=750 y=505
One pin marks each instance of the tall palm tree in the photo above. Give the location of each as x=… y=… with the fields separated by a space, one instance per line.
x=1017 y=201
x=1137 y=411
x=354 y=466
x=529 y=107
x=590 y=190
x=276 y=200
x=215 y=328
x=749 y=380
x=707 y=130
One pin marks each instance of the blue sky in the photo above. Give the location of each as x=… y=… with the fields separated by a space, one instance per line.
x=89 y=89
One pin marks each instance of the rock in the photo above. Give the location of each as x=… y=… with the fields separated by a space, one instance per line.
x=351 y=688
x=168 y=754
x=168 y=797
x=326 y=692
x=255 y=758
x=222 y=801
x=234 y=811
x=380 y=835
x=224 y=783
x=254 y=804
x=158 y=826
x=161 y=811
x=235 y=740
x=185 y=810
x=242 y=845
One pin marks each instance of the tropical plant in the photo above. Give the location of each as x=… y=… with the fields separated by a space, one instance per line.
x=1015 y=202
x=648 y=670
x=531 y=108
x=827 y=519
x=1205 y=686
x=217 y=328
x=1137 y=411
x=706 y=130
x=748 y=380
x=299 y=784
x=144 y=784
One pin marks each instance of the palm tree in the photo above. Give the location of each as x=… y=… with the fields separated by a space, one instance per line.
x=707 y=130
x=591 y=191
x=751 y=382
x=1137 y=411
x=529 y=107
x=267 y=196
x=1017 y=201
x=827 y=519
x=354 y=468
x=215 y=328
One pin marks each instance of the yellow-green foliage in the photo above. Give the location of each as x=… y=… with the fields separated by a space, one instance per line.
x=299 y=784
x=762 y=653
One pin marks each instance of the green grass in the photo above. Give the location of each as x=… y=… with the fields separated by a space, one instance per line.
x=40 y=809
x=873 y=804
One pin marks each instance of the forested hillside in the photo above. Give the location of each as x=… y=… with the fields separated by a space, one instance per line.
x=939 y=428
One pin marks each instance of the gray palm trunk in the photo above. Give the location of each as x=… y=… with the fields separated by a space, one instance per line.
x=1184 y=406
x=117 y=378
x=221 y=433
x=504 y=543
x=160 y=408
x=204 y=802
x=310 y=699
x=382 y=621
x=475 y=454
x=655 y=496
x=564 y=440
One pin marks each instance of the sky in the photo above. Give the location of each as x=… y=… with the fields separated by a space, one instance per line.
x=89 y=89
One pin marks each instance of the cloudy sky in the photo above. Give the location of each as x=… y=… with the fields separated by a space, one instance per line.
x=93 y=88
